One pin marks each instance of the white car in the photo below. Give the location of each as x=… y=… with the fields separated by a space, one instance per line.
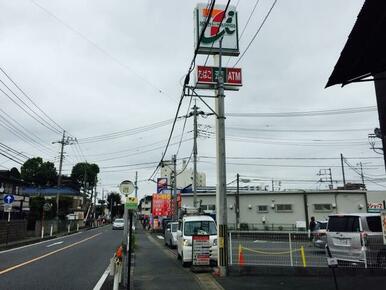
x=193 y=225
x=170 y=235
x=118 y=224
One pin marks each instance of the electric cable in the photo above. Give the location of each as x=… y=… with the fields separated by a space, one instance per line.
x=257 y=32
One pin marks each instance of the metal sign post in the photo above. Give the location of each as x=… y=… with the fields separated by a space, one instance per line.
x=126 y=187
x=8 y=200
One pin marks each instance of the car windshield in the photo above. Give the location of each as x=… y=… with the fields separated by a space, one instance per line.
x=200 y=227
x=119 y=221
x=174 y=227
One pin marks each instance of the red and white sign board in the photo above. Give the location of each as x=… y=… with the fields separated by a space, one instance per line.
x=208 y=75
x=200 y=250
x=383 y=221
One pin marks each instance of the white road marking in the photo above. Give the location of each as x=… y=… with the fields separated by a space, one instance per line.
x=57 y=243
x=260 y=241
x=102 y=279
x=38 y=243
x=160 y=237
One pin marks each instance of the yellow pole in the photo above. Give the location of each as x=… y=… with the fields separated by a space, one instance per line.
x=303 y=256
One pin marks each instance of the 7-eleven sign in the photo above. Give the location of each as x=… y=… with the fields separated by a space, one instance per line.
x=222 y=24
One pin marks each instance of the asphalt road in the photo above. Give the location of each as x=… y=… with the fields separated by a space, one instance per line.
x=71 y=262
x=260 y=251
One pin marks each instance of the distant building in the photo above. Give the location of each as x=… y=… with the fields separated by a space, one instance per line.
x=281 y=210
x=184 y=175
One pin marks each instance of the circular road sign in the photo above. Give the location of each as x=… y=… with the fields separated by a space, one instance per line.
x=126 y=187
x=9 y=198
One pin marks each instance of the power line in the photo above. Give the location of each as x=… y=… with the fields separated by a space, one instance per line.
x=124 y=133
x=186 y=82
x=307 y=113
x=30 y=99
x=297 y=130
x=290 y=158
x=28 y=113
x=257 y=32
x=286 y=165
x=100 y=49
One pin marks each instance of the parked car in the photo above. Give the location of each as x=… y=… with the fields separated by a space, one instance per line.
x=356 y=238
x=193 y=225
x=118 y=224
x=319 y=234
x=170 y=236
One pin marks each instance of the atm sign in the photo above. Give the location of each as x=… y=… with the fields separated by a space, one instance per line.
x=209 y=75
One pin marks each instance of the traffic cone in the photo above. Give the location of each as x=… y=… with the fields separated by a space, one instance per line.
x=241 y=256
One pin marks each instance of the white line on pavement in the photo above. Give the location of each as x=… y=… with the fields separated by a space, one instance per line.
x=160 y=237
x=102 y=279
x=57 y=243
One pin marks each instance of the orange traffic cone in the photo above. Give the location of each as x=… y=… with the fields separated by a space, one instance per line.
x=118 y=253
x=241 y=256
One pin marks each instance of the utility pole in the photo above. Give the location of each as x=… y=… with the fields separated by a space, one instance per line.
x=63 y=142
x=136 y=184
x=331 y=184
x=237 y=202
x=362 y=176
x=174 y=160
x=341 y=162
x=195 y=156
x=221 y=197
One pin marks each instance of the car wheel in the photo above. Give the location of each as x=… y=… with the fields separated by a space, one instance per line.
x=170 y=244
x=381 y=259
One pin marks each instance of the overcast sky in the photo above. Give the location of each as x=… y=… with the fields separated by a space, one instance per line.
x=99 y=67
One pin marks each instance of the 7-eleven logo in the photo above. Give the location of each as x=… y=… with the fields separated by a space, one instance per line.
x=218 y=17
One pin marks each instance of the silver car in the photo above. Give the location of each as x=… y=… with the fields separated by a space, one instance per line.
x=319 y=234
x=170 y=236
x=356 y=238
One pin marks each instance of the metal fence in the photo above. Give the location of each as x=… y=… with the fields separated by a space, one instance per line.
x=265 y=227
x=297 y=249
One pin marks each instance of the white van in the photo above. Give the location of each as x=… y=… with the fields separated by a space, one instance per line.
x=193 y=225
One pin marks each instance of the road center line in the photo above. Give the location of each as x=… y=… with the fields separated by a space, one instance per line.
x=46 y=255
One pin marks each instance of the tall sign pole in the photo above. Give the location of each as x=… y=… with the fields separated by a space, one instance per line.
x=221 y=198
x=174 y=159
x=126 y=187
x=219 y=38
x=195 y=156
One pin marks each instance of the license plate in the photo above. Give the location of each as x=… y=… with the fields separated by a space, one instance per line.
x=341 y=242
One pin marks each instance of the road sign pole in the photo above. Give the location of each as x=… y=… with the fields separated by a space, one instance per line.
x=130 y=248
x=124 y=241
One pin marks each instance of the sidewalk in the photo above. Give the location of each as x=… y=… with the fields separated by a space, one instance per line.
x=156 y=269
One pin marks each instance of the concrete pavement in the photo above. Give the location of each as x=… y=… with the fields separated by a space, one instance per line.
x=157 y=268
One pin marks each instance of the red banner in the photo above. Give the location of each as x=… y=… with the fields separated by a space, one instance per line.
x=161 y=204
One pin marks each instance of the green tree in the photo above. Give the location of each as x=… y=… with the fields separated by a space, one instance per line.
x=14 y=173
x=85 y=174
x=35 y=171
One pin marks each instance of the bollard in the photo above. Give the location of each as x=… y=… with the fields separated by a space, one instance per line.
x=42 y=233
x=51 y=229
x=303 y=256
x=77 y=227
x=68 y=228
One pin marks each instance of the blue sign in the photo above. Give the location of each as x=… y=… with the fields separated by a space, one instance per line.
x=9 y=198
